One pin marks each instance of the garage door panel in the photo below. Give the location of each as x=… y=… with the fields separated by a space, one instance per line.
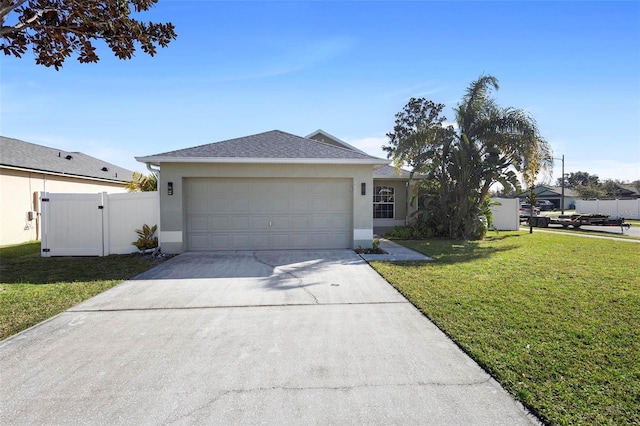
x=300 y=241
x=300 y=222
x=239 y=205
x=340 y=205
x=218 y=222
x=260 y=241
x=199 y=241
x=199 y=205
x=262 y=214
x=239 y=223
x=299 y=206
x=260 y=223
x=318 y=204
x=280 y=223
x=198 y=223
x=320 y=222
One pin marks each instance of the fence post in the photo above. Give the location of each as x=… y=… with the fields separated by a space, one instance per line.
x=44 y=224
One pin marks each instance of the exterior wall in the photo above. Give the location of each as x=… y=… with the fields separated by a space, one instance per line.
x=402 y=209
x=172 y=207
x=18 y=196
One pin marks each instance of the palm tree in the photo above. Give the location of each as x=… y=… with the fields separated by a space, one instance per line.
x=507 y=140
x=142 y=183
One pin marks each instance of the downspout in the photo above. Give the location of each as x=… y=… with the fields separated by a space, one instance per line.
x=152 y=170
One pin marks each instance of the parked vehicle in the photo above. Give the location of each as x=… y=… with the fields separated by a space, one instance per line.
x=525 y=211
x=577 y=220
x=545 y=205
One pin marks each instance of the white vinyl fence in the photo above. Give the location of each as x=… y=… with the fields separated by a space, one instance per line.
x=95 y=224
x=506 y=216
x=628 y=209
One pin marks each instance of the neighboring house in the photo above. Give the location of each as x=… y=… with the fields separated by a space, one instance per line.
x=26 y=169
x=627 y=192
x=553 y=194
x=273 y=190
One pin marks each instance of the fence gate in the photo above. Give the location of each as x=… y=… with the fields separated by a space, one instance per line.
x=72 y=224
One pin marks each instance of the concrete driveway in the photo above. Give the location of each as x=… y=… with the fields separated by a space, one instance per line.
x=288 y=337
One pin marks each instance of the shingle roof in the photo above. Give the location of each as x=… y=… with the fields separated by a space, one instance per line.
x=25 y=155
x=389 y=172
x=556 y=190
x=272 y=145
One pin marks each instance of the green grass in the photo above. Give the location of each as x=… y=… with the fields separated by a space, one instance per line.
x=555 y=319
x=33 y=288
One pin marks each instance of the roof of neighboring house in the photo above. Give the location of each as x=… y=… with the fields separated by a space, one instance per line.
x=546 y=190
x=629 y=190
x=269 y=147
x=18 y=154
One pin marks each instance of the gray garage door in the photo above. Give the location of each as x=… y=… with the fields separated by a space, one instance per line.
x=263 y=214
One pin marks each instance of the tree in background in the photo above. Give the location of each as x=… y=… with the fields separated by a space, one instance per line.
x=589 y=186
x=55 y=29
x=142 y=183
x=573 y=180
x=491 y=145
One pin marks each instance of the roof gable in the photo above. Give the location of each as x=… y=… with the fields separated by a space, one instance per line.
x=273 y=146
x=322 y=136
x=24 y=155
x=390 y=172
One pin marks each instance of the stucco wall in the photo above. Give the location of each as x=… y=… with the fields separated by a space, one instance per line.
x=173 y=220
x=18 y=195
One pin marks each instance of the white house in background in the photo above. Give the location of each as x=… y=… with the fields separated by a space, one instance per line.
x=26 y=169
x=275 y=190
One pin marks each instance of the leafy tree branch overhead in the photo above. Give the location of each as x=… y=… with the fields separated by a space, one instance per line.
x=56 y=29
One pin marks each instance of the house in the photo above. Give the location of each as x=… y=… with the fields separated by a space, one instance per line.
x=626 y=192
x=553 y=194
x=274 y=190
x=26 y=169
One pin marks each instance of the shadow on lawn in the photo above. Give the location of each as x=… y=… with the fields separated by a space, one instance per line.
x=456 y=251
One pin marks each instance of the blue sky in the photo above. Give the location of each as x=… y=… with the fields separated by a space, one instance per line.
x=239 y=68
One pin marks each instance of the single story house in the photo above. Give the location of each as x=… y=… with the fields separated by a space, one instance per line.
x=626 y=192
x=553 y=194
x=275 y=190
x=26 y=169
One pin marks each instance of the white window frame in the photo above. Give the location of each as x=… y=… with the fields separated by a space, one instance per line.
x=384 y=200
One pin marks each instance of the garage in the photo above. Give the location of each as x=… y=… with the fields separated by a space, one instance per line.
x=268 y=213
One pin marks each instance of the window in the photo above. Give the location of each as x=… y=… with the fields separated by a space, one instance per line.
x=384 y=202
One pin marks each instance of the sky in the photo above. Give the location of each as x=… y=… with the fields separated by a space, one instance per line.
x=346 y=67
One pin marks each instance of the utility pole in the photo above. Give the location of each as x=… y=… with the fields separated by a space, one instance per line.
x=562 y=193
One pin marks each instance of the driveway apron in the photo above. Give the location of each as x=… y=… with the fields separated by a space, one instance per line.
x=284 y=337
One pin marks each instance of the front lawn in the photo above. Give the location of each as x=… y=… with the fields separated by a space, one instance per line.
x=33 y=288
x=554 y=318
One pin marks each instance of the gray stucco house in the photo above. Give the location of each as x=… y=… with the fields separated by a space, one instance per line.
x=275 y=190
